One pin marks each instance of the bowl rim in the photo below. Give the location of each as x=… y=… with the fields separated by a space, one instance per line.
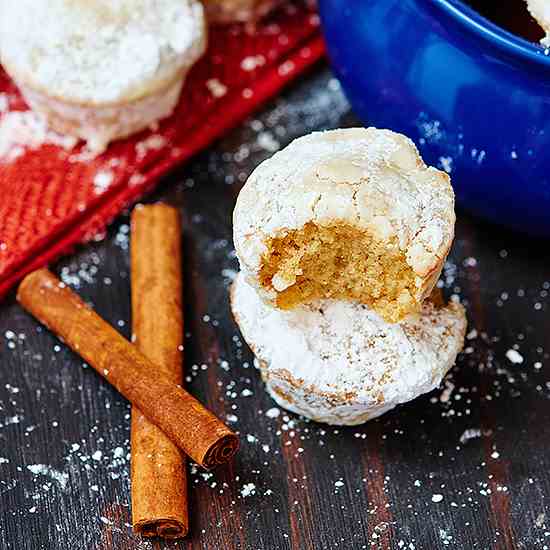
x=486 y=29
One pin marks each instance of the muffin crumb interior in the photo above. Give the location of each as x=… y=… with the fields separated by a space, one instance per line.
x=341 y=262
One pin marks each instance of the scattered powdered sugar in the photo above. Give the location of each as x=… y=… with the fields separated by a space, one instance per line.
x=446 y=539
x=26 y=130
x=84 y=155
x=252 y=62
x=286 y=67
x=447 y=392
x=44 y=470
x=471 y=433
x=446 y=163
x=97 y=456
x=267 y=141
x=154 y=142
x=216 y=88
x=136 y=179
x=274 y=412
x=122 y=237
x=15 y=419
x=76 y=273
x=248 y=490
x=118 y=452
x=514 y=356
x=104 y=520
x=102 y=181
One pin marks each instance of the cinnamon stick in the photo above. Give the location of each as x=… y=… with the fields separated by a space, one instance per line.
x=179 y=415
x=159 y=476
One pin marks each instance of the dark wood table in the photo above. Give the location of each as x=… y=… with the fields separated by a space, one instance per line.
x=464 y=467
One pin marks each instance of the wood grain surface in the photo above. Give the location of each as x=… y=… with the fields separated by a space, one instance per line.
x=465 y=467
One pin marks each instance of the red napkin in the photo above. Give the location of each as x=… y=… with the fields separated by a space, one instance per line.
x=53 y=198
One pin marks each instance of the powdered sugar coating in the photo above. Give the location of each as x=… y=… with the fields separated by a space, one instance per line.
x=370 y=178
x=540 y=10
x=339 y=362
x=99 y=125
x=100 y=52
x=22 y=130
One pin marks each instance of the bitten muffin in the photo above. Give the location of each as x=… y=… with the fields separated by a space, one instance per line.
x=238 y=11
x=540 y=10
x=341 y=363
x=352 y=215
x=101 y=70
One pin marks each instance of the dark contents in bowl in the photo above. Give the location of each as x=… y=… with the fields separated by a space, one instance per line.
x=511 y=15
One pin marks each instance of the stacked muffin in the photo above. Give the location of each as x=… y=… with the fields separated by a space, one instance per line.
x=341 y=238
x=104 y=70
x=101 y=70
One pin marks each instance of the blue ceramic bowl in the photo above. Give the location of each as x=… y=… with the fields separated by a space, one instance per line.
x=473 y=97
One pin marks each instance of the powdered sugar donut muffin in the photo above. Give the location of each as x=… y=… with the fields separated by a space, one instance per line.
x=349 y=214
x=339 y=362
x=540 y=10
x=101 y=70
x=238 y=11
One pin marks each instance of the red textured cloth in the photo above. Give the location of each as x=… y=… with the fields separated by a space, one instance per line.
x=49 y=201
